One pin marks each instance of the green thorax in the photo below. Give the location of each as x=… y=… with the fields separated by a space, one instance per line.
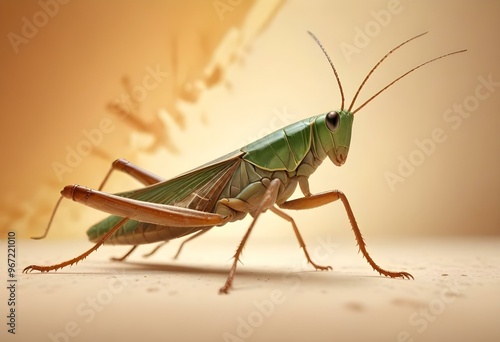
x=285 y=149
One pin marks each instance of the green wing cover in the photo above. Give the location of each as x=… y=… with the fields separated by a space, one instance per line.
x=197 y=189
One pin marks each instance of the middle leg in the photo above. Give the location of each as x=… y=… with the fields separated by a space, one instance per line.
x=299 y=237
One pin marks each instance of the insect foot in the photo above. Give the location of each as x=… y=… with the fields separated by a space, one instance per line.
x=322 y=268
x=404 y=275
x=32 y=268
x=225 y=289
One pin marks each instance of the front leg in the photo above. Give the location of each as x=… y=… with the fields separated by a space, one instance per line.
x=313 y=201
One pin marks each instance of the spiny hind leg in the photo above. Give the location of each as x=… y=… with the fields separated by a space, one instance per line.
x=136 y=172
x=123 y=165
x=131 y=209
x=139 y=174
x=78 y=258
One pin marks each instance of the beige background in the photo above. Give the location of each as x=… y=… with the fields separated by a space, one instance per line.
x=231 y=78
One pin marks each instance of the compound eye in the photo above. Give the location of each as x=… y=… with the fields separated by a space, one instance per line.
x=332 y=121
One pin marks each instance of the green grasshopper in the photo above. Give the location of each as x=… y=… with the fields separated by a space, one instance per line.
x=260 y=176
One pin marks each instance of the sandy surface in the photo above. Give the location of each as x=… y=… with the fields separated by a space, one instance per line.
x=276 y=297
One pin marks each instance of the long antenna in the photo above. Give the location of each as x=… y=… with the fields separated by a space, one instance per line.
x=406 y=73
x=333 y=68
x=376 y=66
